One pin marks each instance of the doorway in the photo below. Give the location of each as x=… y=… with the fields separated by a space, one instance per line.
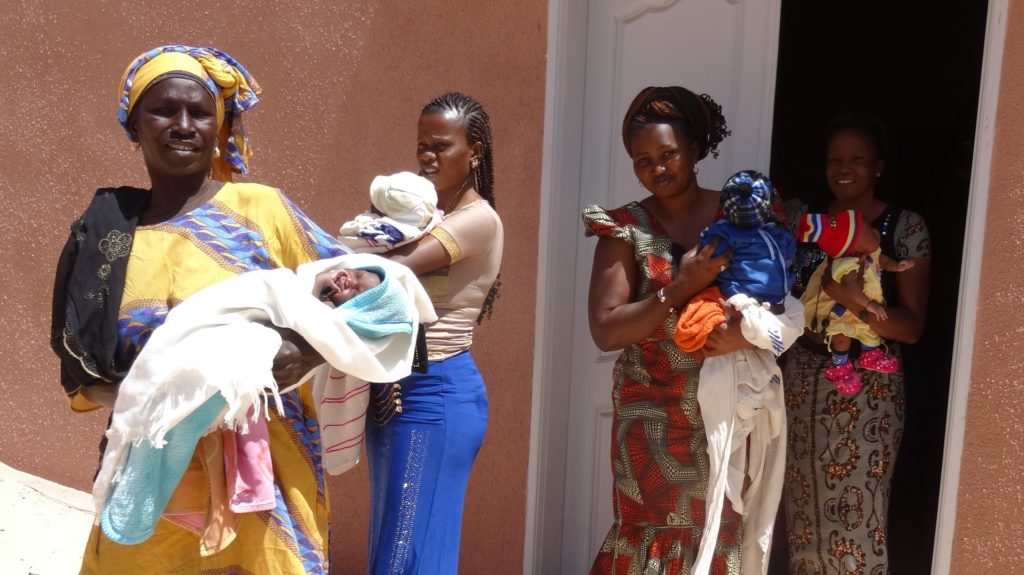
x=918 y=69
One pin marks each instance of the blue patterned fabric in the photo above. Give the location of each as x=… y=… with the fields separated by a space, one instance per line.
x=137 y=324
x=306 y=430
x=236 y=244
x=324 y=245
x=419 y=466
x=307 y=434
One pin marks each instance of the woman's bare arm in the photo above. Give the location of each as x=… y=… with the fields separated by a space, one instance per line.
x=905 y=322
x=424 y=255
x=294 y=359
x=616 y=321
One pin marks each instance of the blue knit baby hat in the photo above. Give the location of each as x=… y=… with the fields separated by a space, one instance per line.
x=380 y=311
x=746 y=199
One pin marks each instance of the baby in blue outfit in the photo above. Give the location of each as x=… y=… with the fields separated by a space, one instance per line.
x=761 y=249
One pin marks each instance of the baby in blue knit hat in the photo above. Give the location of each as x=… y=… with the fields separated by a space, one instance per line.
x=372 y=302
x=338 y=286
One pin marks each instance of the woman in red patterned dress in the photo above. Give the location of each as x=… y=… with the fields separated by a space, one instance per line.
x=644 y=270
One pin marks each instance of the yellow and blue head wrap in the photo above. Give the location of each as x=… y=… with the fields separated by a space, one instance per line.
x=234 y=90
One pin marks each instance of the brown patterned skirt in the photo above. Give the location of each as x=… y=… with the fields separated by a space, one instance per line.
x=839 y=462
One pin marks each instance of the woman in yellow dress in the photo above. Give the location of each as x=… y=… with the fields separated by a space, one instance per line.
x=136 y=253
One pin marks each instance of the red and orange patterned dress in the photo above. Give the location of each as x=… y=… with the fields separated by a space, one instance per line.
x=659 y=448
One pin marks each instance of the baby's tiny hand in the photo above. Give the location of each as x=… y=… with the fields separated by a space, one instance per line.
x=878 y=311
x=904 y=265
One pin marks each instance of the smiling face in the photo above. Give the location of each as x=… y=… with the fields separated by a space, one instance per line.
x=851 y=165
x=175 y=123
x=443 y=151
x=335 y=287
x=663 y=160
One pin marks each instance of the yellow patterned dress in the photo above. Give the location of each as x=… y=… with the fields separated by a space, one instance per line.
x=244 y=227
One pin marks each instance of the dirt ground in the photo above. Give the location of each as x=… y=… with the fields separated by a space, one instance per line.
x=43 y=525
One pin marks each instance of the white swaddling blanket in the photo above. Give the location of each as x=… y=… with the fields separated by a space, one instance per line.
x=212 y=343
x=740 y=397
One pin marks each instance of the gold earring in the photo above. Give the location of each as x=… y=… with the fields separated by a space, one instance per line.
x=216 y=151
x=474 y=163
x=135 y=146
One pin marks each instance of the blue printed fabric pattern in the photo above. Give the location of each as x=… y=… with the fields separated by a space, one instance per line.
x=307 y=434
x=137 y=324
x=323 y=245
x=236 y=245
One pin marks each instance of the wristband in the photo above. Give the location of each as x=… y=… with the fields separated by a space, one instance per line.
x=661 y=297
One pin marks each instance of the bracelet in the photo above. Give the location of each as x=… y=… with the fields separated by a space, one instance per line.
x=661 y=297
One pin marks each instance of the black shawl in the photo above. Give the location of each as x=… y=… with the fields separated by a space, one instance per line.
x=88 y=288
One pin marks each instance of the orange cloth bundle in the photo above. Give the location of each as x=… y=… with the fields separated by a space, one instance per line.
x=698 y=318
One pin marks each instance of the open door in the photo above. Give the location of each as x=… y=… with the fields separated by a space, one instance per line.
x=919 y=71
x=725 y=48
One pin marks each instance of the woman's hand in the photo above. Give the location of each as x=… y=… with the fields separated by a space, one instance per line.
x=697 y=269
x=727 y=336
x=849 y=291
x=905 y=315
x=295 y=359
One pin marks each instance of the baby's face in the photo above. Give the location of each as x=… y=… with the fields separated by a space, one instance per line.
x=335 y=287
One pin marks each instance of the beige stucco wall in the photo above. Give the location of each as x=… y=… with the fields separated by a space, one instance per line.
x=991 y=491
x=343 y=83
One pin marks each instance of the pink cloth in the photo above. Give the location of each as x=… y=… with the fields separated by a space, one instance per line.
x=248 y=469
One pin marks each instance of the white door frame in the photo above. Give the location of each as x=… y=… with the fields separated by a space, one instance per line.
x=970 y=281
x=557 y=291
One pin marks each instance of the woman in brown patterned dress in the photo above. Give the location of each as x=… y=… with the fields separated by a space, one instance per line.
x=641 y=276
x=842 y=449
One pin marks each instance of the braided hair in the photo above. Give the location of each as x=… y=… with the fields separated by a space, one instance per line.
x=478 y=129
x=696 y=118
